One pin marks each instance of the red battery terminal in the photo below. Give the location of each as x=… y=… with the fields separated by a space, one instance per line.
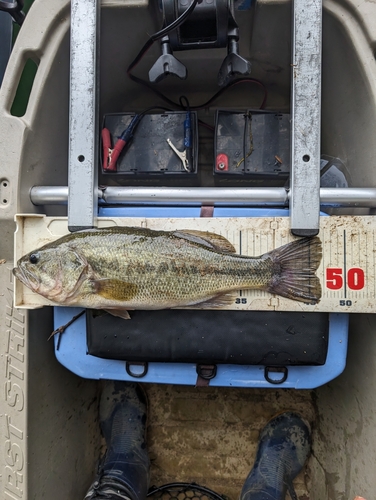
x=221 y=163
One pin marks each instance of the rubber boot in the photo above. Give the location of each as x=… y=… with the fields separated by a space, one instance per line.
x=124 y=472
x=284 y=446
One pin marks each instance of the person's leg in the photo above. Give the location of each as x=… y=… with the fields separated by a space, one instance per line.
x=283 y=449
x=124 y=472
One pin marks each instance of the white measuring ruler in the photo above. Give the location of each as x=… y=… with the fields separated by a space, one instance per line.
x=347 y=270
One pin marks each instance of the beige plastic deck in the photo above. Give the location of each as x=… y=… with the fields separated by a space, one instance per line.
x=347 y=270
x=48 y=416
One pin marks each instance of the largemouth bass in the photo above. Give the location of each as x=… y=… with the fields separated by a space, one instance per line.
x=122 y=268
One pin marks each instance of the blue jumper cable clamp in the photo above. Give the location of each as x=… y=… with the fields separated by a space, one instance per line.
x=188 y=138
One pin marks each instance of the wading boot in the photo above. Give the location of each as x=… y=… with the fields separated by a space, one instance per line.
x=284 y=446
x=124 y=471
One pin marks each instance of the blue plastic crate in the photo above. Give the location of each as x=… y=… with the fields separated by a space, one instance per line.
x=71 y=349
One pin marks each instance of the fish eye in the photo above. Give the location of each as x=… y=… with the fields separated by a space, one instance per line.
x=34 y=257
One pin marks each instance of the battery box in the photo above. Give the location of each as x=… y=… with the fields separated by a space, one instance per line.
x=251 y=145
x=149 y=153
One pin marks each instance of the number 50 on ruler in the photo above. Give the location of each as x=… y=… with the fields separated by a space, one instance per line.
x=353 y=278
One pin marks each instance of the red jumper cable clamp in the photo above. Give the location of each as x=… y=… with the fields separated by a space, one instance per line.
x=111 y=155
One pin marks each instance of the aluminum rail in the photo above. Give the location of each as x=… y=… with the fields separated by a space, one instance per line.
x=305 y=117
x=276 y=197
x=83 y=112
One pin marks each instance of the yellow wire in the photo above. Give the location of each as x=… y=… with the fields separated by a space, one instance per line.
x=251 y=148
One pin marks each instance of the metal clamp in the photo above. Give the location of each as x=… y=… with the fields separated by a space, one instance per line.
x=205 y=373
x=276 y=369
x=136 y=374
x=181 y=154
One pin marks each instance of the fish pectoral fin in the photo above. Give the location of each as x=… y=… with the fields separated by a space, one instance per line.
x=120 y=313
x=217 y=302
x=113 y=289
x=211 y=240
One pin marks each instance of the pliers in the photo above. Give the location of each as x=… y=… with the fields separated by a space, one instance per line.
x=111 y=155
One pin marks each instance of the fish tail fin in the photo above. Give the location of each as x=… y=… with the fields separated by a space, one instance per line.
x=294 y=270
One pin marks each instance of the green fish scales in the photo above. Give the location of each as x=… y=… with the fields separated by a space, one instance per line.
x=138 y=268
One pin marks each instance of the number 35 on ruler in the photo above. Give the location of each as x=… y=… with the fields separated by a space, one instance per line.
x=335 y=278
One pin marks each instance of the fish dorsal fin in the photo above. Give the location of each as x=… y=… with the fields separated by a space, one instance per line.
x=210 y=240
x=113 y=289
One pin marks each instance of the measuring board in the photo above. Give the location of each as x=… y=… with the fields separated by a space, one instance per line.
x=346 y=272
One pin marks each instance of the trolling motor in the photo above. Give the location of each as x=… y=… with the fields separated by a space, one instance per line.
x=14 y=8
x=210 y=25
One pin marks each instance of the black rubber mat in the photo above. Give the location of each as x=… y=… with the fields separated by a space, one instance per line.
x=236 y=337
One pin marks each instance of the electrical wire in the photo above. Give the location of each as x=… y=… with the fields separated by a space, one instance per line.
x=160 y=34
x=212 y=99
x=206 y=125
x=163 y=108
x=184 y=103
x=233 y=84
x=247 y=120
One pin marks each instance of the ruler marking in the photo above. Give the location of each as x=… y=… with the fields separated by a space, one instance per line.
x=323 y=259
x=367 y=266
x=373 y=258
x=335 y=262
x=344 y=262
x=350 y=260
x=338 y=293
x=358 y=294
x=362 y=293
x=240 y=252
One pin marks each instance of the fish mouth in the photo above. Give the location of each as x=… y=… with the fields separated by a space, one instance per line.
x=26 y=277
x=52 y=291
